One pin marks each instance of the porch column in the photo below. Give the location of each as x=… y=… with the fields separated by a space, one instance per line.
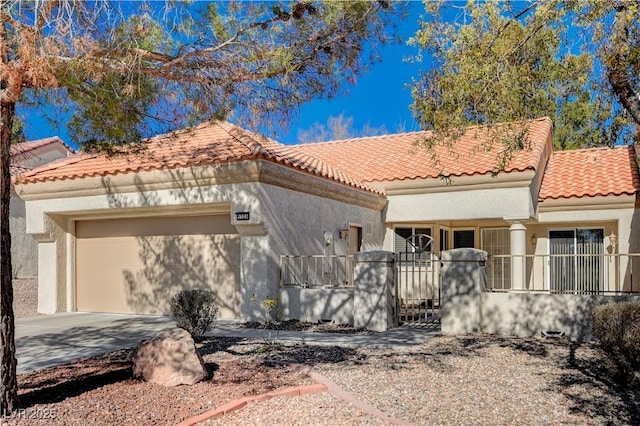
x=518 y=237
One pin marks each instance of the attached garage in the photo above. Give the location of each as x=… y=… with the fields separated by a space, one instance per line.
x=136 y=265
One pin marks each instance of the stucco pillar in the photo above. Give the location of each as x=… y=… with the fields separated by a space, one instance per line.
x=518 y=237
x=257 y=282
x=464 y=276
x=47 y=277
x=373 y=292
x=52 y=268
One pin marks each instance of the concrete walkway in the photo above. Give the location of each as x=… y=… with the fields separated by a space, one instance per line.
x=399 y=337
x=50 y=340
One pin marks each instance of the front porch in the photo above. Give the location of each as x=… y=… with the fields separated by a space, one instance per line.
x=578 y=273
x=553 y=293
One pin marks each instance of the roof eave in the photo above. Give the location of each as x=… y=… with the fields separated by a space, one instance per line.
x=241 y=171
x=589 y=202
x=513 y=179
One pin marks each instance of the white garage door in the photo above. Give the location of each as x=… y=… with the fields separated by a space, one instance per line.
x=137 y=265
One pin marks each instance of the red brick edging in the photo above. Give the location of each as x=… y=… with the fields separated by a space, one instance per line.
x=351 y=399
x=323 y=385
x=242 y=402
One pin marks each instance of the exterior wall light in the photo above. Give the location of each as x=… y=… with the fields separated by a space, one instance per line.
x=533 y=240
x=613 y=241
x=328 y=238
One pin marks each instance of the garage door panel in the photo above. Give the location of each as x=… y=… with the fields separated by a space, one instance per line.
x=109 y=252
x=140 y=274
x=101 y=294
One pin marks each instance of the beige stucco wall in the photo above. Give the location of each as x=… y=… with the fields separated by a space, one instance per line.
x=24 y=249
x=467 y=308
x=529 y=314
x=614 y=216
x=287 y=219
x=295 y=224
x=512 y=203
x=317 y=304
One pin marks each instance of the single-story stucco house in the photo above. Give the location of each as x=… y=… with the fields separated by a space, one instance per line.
x=217 y=207
x=26 y=156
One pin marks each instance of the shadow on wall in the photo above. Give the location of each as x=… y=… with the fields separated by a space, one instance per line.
x=286 y=238
x=632 y=272
x=531 y=314
x=171 y=264
x=24 y=249
x=166 y=264
x=469 y=308
x=302 y=232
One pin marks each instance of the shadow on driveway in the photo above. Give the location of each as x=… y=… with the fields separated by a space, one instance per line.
x=50 y=340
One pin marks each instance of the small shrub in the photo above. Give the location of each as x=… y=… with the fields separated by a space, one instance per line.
x=269 y=336
x=195 y=311
x=268 y=305
x=617 y=328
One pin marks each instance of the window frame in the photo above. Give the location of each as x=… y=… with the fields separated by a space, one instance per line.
x=414 y=231
x=505 y=262
x=575 y=230
x=425 y=258
x=453 y=236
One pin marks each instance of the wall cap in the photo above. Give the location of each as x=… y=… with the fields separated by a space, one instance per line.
x=464 y=255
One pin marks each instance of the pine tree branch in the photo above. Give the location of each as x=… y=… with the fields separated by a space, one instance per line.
x=618 y=62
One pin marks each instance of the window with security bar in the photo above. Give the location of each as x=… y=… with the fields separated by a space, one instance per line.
x=576 y=260
x=497 y=242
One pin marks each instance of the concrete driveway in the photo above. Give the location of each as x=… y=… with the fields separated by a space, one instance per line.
x=49 y=340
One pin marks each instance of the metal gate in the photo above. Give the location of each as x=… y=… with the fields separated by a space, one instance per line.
x=417 y=287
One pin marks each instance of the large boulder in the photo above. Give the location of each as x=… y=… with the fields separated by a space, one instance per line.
x=170 y=359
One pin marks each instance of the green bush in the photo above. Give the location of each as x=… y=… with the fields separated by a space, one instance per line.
x=617 y=328
x=194 y=311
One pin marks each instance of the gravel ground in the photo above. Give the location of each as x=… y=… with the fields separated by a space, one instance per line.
x=317 y=409
x=472 y=380
x=447 y=380
x=489 y=380
x=101 y=390
x=25 y=297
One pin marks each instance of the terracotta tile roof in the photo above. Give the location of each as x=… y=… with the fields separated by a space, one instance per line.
x=591 y=172
x=206 y=144
x=16 y=170
x=21 y=151
x=396 y=157
x=25 y=147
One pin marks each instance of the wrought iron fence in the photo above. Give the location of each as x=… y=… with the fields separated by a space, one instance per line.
x=600 y=273
x=316 y=271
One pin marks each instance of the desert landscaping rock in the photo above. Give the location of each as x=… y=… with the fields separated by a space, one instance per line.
x=169 y=359
x=472 y=380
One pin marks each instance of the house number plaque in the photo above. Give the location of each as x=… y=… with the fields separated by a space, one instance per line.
x=242 y=215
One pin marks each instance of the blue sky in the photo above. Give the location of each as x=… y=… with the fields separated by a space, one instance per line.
x=380 y=98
